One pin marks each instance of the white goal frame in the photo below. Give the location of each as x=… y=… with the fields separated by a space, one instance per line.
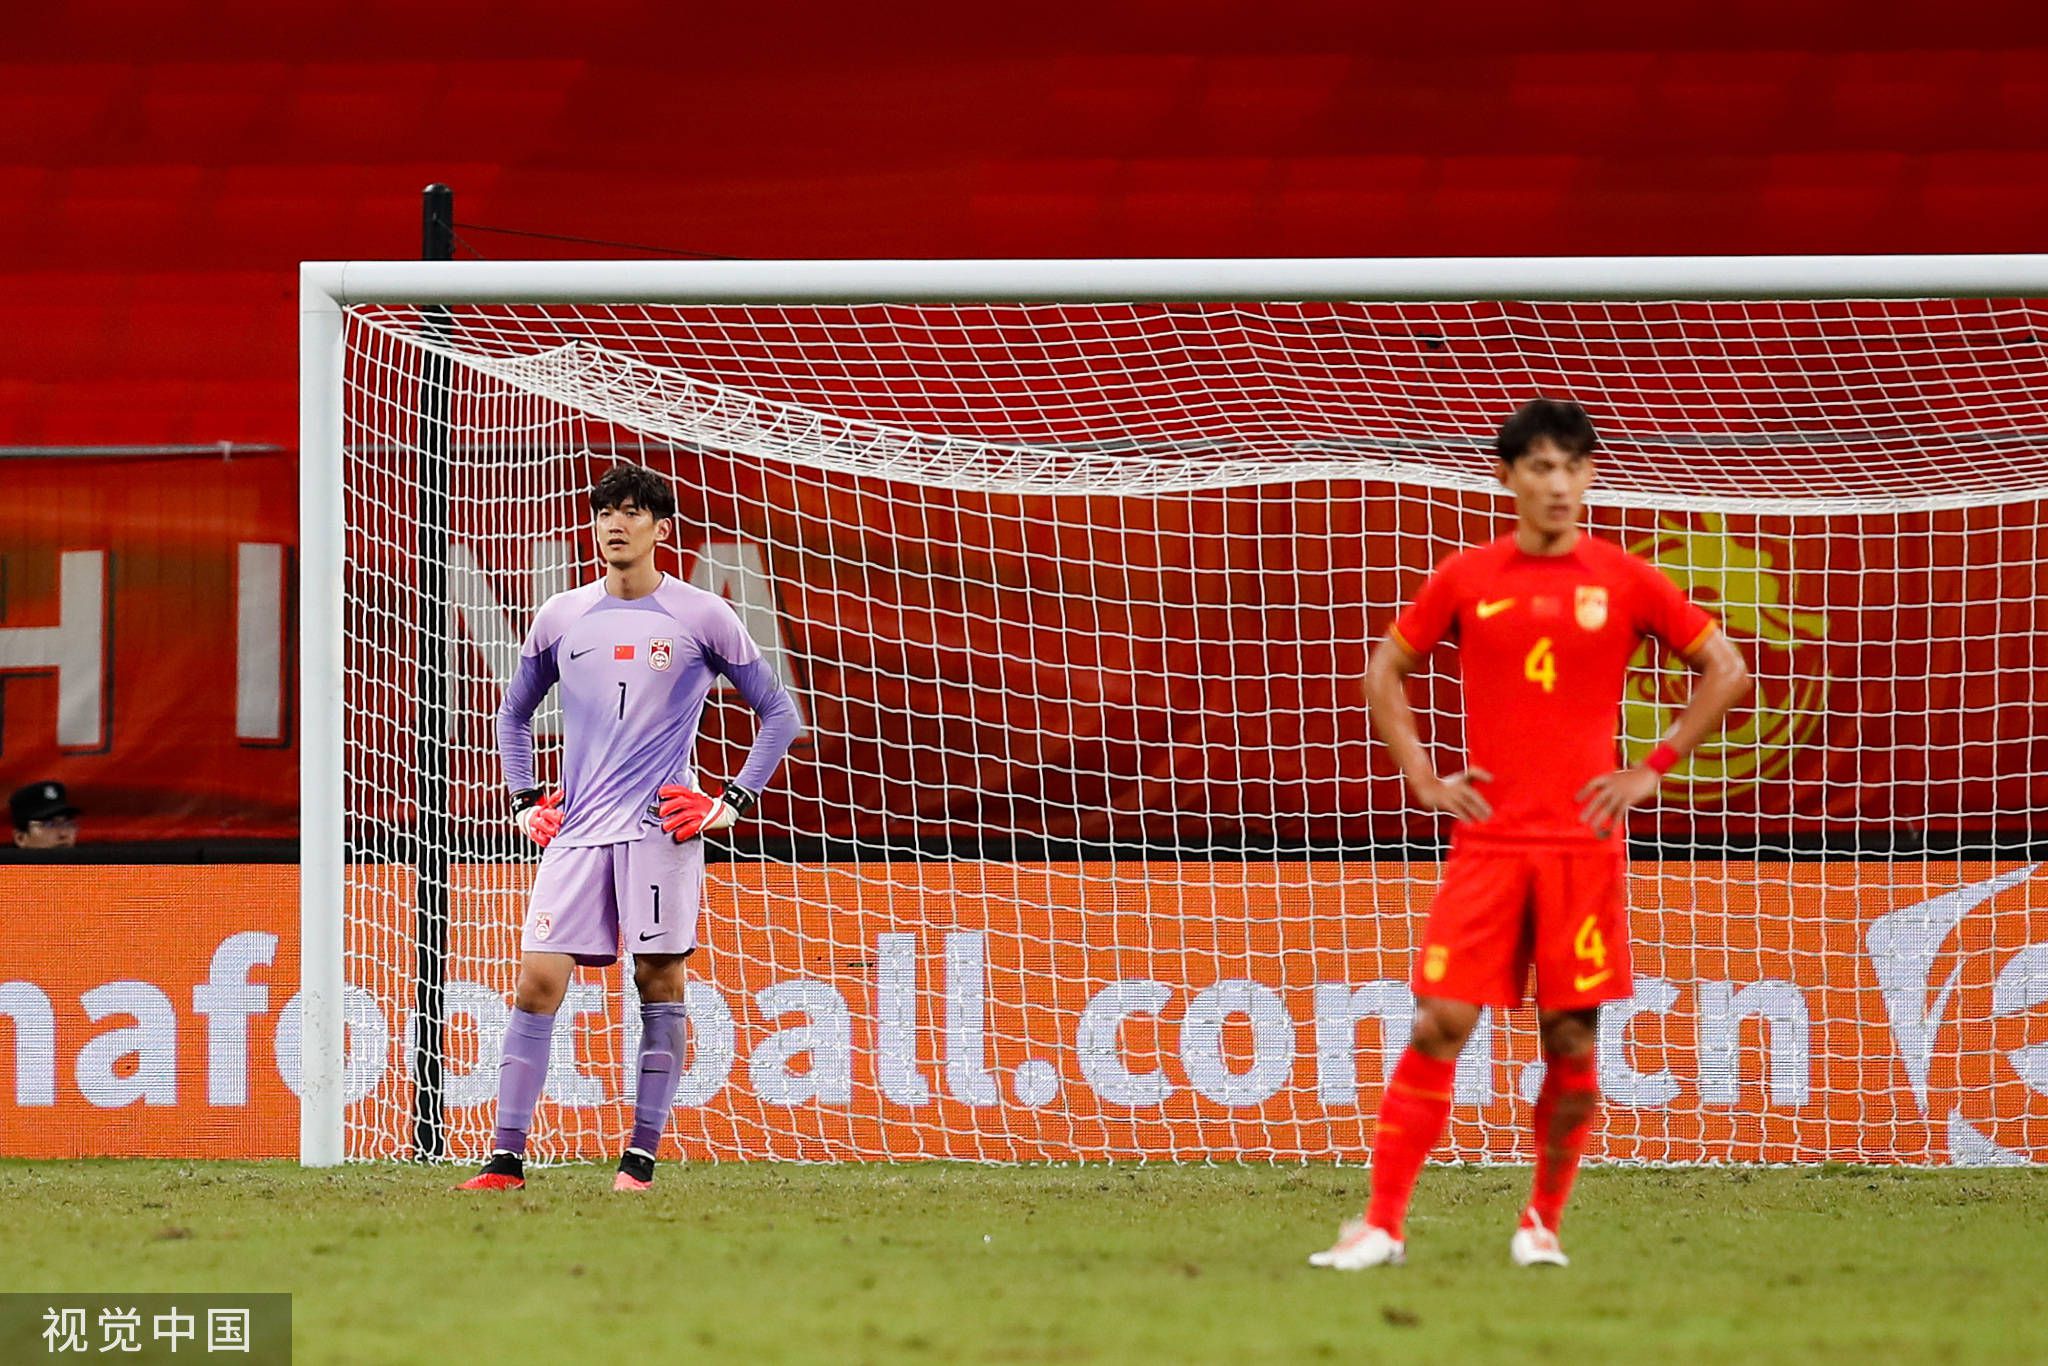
x=327 y=288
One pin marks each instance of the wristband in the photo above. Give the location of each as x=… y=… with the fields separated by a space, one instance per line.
x=1661 y=759
x=523 y=798
x=740 y=799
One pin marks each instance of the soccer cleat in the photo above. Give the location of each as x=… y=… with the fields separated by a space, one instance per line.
x=1535 y=1245
x=1360 y=1245
x=636 y=1172
x=502 y=1172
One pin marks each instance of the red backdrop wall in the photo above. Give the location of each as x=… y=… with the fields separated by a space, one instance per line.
x=163 y=167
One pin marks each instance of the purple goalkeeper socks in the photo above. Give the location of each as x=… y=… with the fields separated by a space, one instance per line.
x=520 y=1077
x=662 y=1029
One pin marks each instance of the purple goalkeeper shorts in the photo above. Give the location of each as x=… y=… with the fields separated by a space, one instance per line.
x=584 y=898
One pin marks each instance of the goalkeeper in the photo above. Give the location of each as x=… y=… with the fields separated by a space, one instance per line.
x=636 y=654
x=1545 y=621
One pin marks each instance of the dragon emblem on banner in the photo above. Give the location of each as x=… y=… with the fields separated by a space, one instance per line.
x=1748 y=585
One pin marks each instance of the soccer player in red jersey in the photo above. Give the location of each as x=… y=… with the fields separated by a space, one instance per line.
x=1545 y=621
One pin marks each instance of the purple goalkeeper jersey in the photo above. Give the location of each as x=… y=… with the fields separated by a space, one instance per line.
x=634 y=678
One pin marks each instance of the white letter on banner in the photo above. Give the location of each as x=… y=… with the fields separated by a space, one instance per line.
x=486 y=1009
x=1619 y=1082
x=827 y=1037
x=366 y=1047
x=896 y=1019
x=493 y=629
x=75 y=649
x=259 y=641
x=1781 y=1008
x=227 y=999
x=710 y=1045
x=1338 y=1011
x=152 y=1040
x=1201 y=1042
x=706 y=1064
x=1473 y=1084
x=1102 y=1062
x=35 y=1042
x=568 y=1084
x=967 y=1074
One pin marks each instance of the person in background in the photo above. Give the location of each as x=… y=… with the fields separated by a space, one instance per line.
x=44 y=817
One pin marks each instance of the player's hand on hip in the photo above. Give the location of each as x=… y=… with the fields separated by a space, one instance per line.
x=1602 y=801
x=687 y=813
x=539 y=817
x=1457 y=796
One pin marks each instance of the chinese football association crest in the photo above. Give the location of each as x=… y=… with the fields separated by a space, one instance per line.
x=1591 y=604
x=660 y=652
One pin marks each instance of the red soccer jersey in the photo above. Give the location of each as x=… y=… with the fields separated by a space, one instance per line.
x=1545 y=642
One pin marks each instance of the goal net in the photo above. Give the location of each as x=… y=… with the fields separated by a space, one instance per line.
x=1086 y=852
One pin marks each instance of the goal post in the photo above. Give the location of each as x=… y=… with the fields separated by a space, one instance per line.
x=321 y=680
x=1069 y=945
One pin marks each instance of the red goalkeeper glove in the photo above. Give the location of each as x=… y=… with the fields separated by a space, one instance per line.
x=540 y=817
x=687 y=813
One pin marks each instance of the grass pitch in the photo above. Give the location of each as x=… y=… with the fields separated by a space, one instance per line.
x=943 y=1263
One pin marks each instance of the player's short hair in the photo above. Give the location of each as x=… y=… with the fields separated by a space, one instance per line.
x=1564 y=424
x=635 y=484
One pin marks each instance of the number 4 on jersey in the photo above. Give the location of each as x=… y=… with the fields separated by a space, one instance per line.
x=1541 y=665
x=1588 y=946
x=1591 y=950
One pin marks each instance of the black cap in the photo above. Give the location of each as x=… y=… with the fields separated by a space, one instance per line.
x=44 y=801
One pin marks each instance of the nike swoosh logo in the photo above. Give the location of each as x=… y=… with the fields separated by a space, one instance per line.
x=578 y=654
x=658 y=933
x=1486 y=609
x=1584 y=983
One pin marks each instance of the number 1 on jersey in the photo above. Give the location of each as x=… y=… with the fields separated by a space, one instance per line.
x=1539 y=667
x=622 y=699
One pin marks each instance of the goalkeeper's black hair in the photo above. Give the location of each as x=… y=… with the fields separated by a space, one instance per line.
x=633 y=484
x=1563 y=424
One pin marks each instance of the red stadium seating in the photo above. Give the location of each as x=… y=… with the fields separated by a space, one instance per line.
x=160 y=178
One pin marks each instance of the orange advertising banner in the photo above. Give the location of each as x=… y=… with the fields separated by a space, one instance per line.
x=1878 y=1012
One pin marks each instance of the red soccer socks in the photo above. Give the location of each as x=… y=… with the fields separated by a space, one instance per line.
x=1565 y=1109
x=1412 y=1116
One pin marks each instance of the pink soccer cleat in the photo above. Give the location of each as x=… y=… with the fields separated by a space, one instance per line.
x=636 y=1172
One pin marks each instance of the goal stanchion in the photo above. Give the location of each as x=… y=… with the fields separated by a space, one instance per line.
x=1073 y=568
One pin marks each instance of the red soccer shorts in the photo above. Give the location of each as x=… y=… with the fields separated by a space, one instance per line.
x=1503 y=908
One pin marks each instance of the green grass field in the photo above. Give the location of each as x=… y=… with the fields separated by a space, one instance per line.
x=949 y=1263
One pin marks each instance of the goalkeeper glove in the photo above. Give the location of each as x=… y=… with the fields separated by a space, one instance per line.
x=687 y=813
x=540 y=817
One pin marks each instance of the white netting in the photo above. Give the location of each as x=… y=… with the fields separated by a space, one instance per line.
x=1087 y=852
